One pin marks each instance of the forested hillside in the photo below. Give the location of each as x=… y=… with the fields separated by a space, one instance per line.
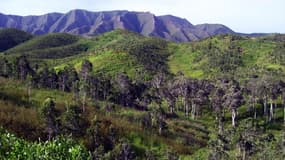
x=10 y=38
x=124 y=96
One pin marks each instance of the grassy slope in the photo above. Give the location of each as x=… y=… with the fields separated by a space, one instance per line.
x=191 y=59
x=109 y=54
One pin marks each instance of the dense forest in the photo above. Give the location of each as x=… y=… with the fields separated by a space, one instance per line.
x=124 y=96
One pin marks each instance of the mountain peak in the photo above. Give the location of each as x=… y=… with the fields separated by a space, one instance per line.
x=87 y=23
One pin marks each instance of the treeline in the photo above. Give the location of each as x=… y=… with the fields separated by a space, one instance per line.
x=181 y=93
x=168 y=95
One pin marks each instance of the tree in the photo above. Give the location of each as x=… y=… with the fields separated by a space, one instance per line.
x=46 y=78
x=94 y=134
x=233 y=100
x=125 y=152
x=171 y=155
x=245 y=146
x=102 y=137
x=75 y=91
x=217 y=101
x=72 y=120
x=95 y=88
x=150 y=155
x=158 y=120
x=273 y=94
x=29 y=87
x=72 y=77
x=156 y=91
x=125 y=86
x=200 y=91
x=146 y=121
x=5 y=68
x=277 y=55
x=49 y=114
x=252 y=89
x=106 y=87
x=158 y=80
x=182 y=87
x=23 y=67
x=219 y=148
x=282 y=90
x=84 y=86
x=86 y=70
x=62 y=79
x=169 y=94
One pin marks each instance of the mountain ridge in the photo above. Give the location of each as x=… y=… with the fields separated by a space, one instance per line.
x=88 y=23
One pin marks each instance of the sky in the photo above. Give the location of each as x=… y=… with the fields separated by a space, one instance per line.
x=246 y=16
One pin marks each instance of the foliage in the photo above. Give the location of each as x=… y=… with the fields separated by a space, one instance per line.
x=219 y=98
x=11 y=37
x=12 y=147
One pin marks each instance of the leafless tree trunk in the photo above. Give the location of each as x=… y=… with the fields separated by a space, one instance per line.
x=234 y=117
x=265 y=107
x=193 y=111
x=271 y=113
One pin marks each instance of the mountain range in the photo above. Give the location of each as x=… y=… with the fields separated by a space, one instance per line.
x=86 y=23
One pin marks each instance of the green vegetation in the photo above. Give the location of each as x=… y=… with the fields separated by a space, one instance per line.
x=16 y=148
x=10 y=38
x=120 y=95
x=210 y=57
x=56 y=45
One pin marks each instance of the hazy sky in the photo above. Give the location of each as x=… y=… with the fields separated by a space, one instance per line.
x=240 y=15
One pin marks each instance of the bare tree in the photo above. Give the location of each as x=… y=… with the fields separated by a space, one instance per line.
x=233 y=100
x=217 y=100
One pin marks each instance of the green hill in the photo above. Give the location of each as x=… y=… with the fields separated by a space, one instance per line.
x=121 y=93
x=226 y=55
x=115 y=52
x=10 y=38
x=124 y=51
x=56 y=45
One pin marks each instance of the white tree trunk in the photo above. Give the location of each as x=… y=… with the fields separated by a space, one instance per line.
x=5 y=69
x=254 y=108
x=265 y=108
x=193 y=111
x=186 y=105
x=271 y=114
x=233 y=117
x=282 y=103
x=171 y=109
x=221 y=125
x=83 y=101
x=284 y=114
x=29 y=93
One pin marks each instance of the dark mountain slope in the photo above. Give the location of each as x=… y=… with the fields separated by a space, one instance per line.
x=55 y=45
x=88 y=23
x=12 y=37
